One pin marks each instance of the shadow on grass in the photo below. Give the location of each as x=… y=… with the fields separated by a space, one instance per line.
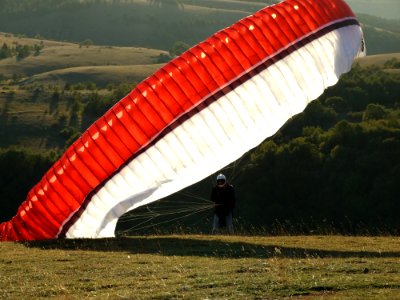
x=197 y=247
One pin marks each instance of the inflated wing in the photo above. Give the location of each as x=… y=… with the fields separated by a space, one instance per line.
x=198 y=113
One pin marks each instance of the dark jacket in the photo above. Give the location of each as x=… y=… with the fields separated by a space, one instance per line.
x=224 y=199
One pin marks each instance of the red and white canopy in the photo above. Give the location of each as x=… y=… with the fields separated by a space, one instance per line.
x=198 y=113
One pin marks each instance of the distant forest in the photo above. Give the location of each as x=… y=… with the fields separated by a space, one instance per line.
x=153 y=23
x=333 y=168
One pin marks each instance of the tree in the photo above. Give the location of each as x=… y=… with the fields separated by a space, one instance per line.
x=54 y=101
x=86 y=43
x=37 y=48
x=75 y=113
x=163 y=58
x=178 y=48
x=19 y=168
x=5 y=51
x=374 y=112
x=337 y=103
x=22 y=51
x=392 y=63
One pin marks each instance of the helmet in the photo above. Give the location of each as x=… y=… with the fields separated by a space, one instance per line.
x=221 y=177
x=221 y=180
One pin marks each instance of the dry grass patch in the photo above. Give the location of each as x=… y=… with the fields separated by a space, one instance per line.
x=377 y=60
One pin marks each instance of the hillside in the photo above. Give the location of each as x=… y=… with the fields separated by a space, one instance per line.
x=56 y=56
x=100 y=75
x=124 y=23
x=381 y=35
x=37 y=92
x=157 y=24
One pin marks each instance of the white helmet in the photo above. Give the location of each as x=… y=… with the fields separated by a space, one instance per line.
x=221 y=177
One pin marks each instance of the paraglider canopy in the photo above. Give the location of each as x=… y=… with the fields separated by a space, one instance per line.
x=195 y=115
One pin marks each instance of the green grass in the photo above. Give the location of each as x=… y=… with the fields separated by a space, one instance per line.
x=203 y=267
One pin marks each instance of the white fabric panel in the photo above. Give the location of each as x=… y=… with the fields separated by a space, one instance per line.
x=222 y=132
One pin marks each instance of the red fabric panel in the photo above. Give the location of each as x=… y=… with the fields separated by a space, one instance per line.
x=78 y=179
x=100 y=142
x=155 y=103
x=89 y=161
x=123 y=142
x=131 y=122
x=17 y=230
x=52 y=203
x=75 y=164
x=64 y=194
x=31 y=216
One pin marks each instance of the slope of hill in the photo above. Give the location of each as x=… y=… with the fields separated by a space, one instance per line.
x=100 y=75
x=126 y=23
x=57 y=56
x=153 y=24
x=381 y=35
x=35 y=106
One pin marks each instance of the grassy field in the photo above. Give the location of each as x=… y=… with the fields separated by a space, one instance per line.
x=203 y=267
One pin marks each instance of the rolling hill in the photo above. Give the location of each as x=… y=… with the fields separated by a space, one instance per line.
x=125 y=23
x=34 y=107
x=57 y=56
x=159 y=24
x=100 y=75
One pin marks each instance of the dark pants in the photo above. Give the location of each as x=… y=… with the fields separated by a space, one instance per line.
x=217 y=223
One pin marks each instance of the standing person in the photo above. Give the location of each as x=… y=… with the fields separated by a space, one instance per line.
x=223 y=195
